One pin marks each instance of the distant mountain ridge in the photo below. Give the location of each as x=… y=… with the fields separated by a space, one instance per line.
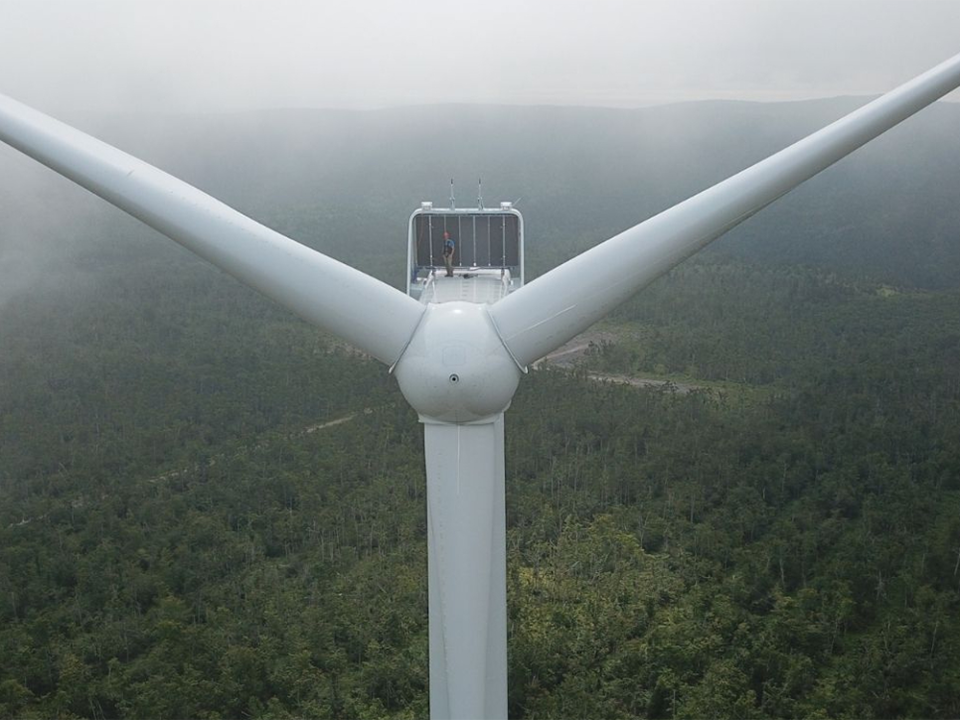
x=890 y=211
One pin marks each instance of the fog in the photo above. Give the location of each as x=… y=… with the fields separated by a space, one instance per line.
x=125 y=67
x=66 y=56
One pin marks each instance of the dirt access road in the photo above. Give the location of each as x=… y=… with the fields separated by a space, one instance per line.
x=567 y=356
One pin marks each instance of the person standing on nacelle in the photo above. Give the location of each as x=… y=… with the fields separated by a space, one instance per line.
x=449 y=247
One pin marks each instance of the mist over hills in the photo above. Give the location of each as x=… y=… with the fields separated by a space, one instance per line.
x=346 y=181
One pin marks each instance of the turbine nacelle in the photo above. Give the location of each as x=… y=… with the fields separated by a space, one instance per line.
x=456 y=368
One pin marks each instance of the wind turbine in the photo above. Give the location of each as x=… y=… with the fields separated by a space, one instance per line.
x=458 y=363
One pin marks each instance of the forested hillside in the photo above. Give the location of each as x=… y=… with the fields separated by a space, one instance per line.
x=208 y=509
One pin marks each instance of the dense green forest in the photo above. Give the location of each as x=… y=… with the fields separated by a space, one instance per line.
x=208 y=509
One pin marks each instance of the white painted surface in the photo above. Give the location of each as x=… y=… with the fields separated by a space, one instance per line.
x=466 y=558
x=456 y=369
x=467 y=284
x=358 y=308
x=562 y=303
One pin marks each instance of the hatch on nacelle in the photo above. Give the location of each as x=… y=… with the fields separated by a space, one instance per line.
x=488 y=251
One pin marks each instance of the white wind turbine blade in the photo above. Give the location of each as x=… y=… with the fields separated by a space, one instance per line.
x=560 y=304
x=366 y=312
x=467 y=572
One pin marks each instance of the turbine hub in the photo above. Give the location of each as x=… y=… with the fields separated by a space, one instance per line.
x=455 y=368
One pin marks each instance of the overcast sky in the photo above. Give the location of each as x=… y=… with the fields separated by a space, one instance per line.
x=80 y=55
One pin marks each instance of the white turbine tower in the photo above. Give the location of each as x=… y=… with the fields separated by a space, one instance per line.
x=458 y=363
